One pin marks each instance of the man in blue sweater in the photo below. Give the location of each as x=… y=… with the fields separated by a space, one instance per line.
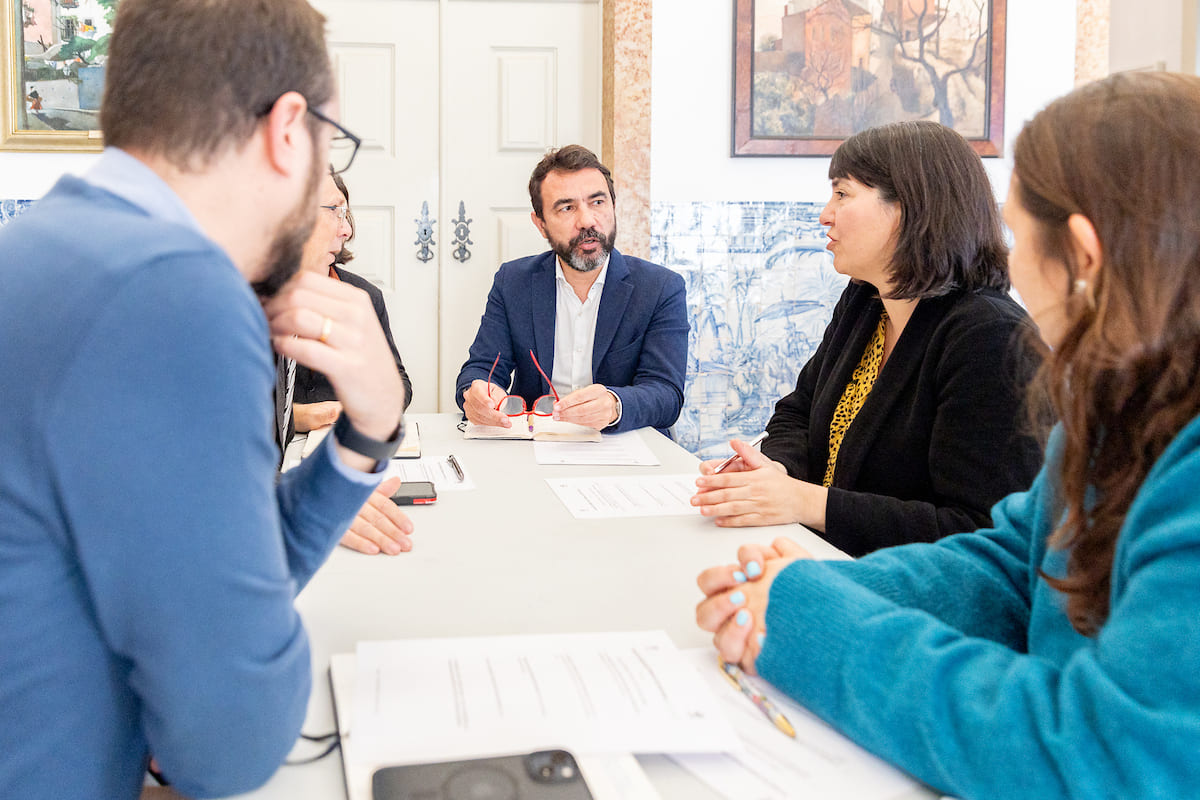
x=148 y=565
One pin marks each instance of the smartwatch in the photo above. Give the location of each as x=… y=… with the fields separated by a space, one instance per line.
x=351 y=439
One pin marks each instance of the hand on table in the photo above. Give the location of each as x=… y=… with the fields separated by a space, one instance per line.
x=310 y=416
x=380 y=525
x=593 y=406
x=754 y=490
x=330 y=326
x=734 y=608
x=480 y=407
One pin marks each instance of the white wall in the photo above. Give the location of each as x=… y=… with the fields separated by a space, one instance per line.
x=692 y=97
x=28 y=176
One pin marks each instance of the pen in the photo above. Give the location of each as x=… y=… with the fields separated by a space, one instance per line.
x=457 y=469
x=735 y=675
x=755 y=442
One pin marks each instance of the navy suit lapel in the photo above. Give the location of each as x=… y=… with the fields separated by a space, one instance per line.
x=618 y=288
x=545 y=307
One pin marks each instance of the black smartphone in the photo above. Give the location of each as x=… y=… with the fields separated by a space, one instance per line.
x=415 y=493
x=542 y=775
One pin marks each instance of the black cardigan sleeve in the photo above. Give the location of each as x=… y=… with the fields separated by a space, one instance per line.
x=980 y=444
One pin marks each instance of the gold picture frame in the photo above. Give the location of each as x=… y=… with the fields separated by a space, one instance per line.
x=66 y=74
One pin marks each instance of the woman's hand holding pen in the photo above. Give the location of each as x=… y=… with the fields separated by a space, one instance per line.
x=754 y=490
x=736 y=596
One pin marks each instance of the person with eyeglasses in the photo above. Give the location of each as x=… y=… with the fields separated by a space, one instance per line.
x=380 y=526
x=149 y=553
x=610 y=329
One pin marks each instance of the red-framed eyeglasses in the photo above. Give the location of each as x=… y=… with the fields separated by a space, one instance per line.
x=512 y=405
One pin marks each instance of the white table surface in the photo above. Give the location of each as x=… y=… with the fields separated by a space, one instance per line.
x=506 y=558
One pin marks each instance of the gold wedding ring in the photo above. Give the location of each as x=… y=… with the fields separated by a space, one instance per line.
x=326 y=329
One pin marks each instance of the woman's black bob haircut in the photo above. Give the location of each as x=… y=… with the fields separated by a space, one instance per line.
x=949 y=236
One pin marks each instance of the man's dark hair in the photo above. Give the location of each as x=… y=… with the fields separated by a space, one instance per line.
x=571 y=158
x=949 y=236
x=188 y=79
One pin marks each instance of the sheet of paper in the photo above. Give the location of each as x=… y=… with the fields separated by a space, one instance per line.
x=623 y=449
x=609 y=776
x=427 y=699
x=430 y=468
x=819 y=762
x=627 y=495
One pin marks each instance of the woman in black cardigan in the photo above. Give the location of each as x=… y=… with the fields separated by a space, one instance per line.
x=908 y=423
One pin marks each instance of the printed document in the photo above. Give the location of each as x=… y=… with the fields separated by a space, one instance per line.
x=421 y=700
x=623 y=449
x=437 y=470
x=627 y=495
x=819 y=762
x=609 y=776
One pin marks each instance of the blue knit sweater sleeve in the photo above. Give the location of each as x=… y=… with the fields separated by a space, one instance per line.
x=191 y=554
x=1117 y=715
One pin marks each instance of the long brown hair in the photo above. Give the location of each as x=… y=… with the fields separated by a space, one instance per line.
x=1125 y=379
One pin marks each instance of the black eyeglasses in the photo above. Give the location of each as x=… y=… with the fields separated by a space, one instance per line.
x=342 y=148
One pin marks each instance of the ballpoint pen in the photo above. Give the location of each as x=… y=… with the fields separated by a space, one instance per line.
x=755 y=442
x=457 y=469
x=735 y=675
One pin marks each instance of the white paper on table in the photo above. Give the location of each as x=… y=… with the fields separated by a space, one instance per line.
x=819 y=762
x=435 y=469
x=627 y=495
x=609 y=776
x=420 y=700
x=620 y=449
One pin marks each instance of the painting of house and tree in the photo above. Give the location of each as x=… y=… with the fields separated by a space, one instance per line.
x=809 y=73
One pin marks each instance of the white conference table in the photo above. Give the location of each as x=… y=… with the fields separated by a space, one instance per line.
x=507 y=558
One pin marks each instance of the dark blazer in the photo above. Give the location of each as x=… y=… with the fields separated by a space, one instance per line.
x=640 y=349
x=314 y=387
x=943 y=434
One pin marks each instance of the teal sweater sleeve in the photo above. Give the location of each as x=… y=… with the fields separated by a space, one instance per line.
x=977 y=710
x=191 y=552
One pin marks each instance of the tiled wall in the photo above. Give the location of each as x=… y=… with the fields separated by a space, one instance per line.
x=761 y=289
x=10 y=208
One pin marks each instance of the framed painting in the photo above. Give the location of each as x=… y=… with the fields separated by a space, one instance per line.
x=810 y=73
x=52 y=55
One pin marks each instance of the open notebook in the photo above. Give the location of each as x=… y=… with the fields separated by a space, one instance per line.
x=410 y=445
x=538 y=428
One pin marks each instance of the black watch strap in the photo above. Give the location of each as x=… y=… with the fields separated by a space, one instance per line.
x=347 y=436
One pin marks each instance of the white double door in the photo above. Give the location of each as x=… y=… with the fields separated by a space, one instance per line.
x=455 y=101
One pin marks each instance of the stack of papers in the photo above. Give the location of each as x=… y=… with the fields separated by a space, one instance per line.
x=601 y=696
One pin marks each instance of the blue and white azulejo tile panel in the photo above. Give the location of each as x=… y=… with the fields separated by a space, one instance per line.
x=761 y=289
x=11 y=208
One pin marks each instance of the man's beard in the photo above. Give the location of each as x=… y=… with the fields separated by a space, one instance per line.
x=283 y=257
x=580 y=262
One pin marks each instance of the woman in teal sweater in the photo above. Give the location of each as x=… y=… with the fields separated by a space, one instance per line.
x=1056 y=655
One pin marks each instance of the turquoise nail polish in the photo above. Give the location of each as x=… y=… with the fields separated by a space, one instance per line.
x=739 y=576
x=743 y=618
x=737 y=598
x=753 y=569
x=762 y=639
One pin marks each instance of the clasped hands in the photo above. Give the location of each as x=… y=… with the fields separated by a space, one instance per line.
x=592 y=406
x=734 y=608
x=754 y=490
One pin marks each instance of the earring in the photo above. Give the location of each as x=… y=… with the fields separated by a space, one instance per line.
x=1084 y=288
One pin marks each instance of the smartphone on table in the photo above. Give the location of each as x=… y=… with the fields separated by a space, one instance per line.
x=415 y=493
x=542 y=775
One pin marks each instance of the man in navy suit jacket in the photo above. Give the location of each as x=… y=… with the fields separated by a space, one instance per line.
x=609 y=330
